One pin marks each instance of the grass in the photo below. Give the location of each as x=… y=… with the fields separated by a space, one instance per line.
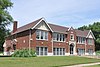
x=53 y=61
x=94 y=66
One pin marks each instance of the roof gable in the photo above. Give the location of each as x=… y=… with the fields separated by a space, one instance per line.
x=45 y=22
x=90 y=35
x=42 y=26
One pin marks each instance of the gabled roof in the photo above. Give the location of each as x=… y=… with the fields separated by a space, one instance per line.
x=27 y=26
x=81 y=33
x=53 y=28
x=57 y=28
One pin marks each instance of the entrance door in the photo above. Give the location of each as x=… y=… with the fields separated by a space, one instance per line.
x=71 y=49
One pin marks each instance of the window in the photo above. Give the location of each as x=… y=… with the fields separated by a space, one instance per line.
x=81 y=40
x=58 y=51
x=37 y=34
x=41 y=35
x=81 y=51
x=46 y=35
x=90 y=51
x=41 y=50
x=58 y=37
x=71 y=37
x=90 y=41
x=54 y=36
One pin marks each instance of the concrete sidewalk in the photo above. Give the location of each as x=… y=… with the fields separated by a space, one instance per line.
x=82 y=65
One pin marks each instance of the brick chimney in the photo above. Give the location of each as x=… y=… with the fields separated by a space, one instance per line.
x=15 y=26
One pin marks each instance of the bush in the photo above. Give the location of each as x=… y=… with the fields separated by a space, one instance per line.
x=97 y=52
x=24 y=53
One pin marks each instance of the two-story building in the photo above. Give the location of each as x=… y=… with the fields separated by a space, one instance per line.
x=50 y=39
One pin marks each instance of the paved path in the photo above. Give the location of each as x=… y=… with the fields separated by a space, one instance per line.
x=82 y=65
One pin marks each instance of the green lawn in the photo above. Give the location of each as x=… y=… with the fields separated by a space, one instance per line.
x=94 y=66
x=53 y=61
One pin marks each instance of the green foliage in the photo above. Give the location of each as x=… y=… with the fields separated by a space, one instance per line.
x=5 y=20
x=96 y=31
x=97 y=52
x=24 y=53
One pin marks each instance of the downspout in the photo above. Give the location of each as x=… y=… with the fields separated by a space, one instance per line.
x=29 y=41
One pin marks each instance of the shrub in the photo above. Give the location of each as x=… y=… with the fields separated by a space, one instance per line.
x=97 y=52
x=24 y=53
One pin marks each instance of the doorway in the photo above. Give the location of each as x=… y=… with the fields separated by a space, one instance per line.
x=71 y=49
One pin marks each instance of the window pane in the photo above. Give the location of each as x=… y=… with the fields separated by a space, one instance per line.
x=63 y=51
x=72 y=37
x=37 y=34
x=54 y=51
x=37 y=50
x=46 y=35
x=45 y=50
x=60 y=36
x=41 y=51
x=57 y=37
x=89 y=41
x=63 y=37
x=41 y=34
x=57 y=51
x=60 y=51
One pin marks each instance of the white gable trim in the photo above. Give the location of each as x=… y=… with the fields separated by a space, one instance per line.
x=90 y=32
x=44 y=22
x=71 y=28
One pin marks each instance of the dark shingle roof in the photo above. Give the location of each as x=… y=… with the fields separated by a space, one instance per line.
x=27 y=26
x=81 y=33
x=55 y=28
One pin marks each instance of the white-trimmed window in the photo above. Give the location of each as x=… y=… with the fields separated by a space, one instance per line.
x=81 y=51
x=71 y=36
x=41 y=50
x=58 y=37
x=90 y=41
x=90 y=51
x=81 y=40
x=41 y=35
x=58 y=51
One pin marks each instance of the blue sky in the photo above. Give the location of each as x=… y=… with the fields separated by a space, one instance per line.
x=68 y=13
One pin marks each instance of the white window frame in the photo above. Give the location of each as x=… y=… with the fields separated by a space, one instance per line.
x=59 y=37
x=72 y=38
x=81 y=40
x=42 y=53
x=90 y=41
x=61 y=51
x=45 y=34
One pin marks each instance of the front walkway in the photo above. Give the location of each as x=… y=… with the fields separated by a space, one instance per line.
x=82 y=65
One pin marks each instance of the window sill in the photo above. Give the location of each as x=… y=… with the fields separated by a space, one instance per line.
x=58 y=41
x=42 y=39
x=80 y=43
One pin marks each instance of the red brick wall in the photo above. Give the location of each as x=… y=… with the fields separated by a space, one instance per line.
x=90 y=46
x=46 y=43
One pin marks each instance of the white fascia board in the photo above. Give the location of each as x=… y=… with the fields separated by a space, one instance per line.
x=89 y=33
x=40 y=22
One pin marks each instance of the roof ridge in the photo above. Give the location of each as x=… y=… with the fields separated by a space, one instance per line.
x=30 y=23
x=58 y=25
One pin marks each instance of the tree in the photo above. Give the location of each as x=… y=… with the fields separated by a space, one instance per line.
x=96 y=30
x=5 y=20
